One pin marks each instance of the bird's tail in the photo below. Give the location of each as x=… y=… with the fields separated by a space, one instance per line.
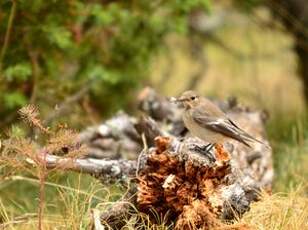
x=246 y=139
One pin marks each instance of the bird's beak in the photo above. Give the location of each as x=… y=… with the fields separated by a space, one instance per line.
x=177 y=100
x=182 y=99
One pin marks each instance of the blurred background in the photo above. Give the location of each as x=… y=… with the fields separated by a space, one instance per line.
x=81 y=61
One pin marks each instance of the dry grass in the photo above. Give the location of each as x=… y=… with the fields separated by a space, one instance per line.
x=279 y=211
x=72 y=202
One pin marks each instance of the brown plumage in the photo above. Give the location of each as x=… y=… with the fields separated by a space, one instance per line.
x=207 y=121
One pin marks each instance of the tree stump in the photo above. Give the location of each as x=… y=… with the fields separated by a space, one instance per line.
x=171 y=176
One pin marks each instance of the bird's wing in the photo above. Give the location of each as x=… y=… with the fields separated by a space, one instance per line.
x=207 y=105
x=221 y=125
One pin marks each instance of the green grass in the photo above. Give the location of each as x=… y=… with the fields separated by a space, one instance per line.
x=69 y=199
x=290 y=152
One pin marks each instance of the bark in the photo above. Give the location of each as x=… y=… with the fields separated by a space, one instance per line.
x=181 y=181
x=115 y=138
x=116 y=215
x=105 y=170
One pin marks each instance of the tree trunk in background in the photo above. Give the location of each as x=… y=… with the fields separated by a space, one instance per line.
x=302 y=53
x=197 y=54
x=294 y=16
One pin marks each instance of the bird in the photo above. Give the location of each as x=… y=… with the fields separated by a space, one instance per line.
x=208 y=122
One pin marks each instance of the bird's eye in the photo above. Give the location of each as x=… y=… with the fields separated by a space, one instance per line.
x=193 y=98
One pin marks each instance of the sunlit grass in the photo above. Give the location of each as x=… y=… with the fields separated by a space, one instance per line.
x=283 y=211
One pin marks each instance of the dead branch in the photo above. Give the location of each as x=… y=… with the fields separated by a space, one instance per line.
x=103 y=169
x=115 y=138
x=176 y=177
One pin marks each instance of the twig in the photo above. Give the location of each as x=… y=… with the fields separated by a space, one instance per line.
x=145 y=149
x=96 y=220
x=42 y=179
x=18 y=220
x=7 y=34
x=35 y=73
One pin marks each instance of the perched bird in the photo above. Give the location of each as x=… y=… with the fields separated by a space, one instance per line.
x=208 y=122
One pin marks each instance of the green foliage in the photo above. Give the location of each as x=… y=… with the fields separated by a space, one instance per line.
x=57 y=46
x=14 y=99
x=20 y=71
x=248 y=5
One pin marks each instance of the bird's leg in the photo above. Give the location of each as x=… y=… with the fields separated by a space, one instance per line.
x=209 y=147
x=206 y=150
x=203 y=148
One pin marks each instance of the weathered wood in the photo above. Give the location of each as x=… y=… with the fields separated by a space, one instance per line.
x=115 y=138
x=116 y=214
x=103 y=169
x=178 y=180
x=175 y=176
